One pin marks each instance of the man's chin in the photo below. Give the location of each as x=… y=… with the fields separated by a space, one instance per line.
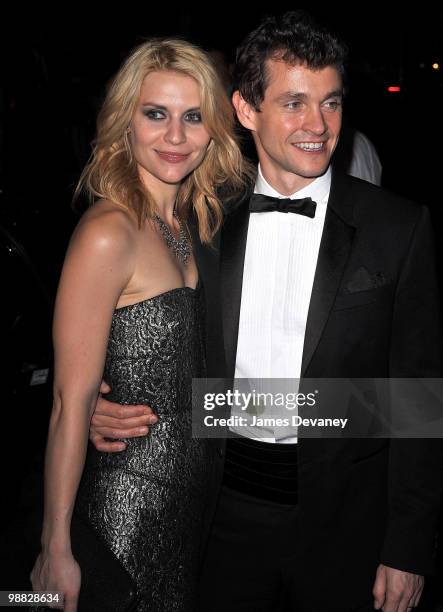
x=311 y=173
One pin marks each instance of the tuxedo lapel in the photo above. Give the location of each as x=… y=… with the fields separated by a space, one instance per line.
x=233 y=248
x=335 y=247
x=197 y=246
x=208 y=264
x=206 y=256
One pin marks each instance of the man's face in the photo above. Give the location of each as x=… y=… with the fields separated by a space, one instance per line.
x=297 y=128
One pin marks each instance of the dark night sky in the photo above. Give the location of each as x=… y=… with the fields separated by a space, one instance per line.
x=81 y=43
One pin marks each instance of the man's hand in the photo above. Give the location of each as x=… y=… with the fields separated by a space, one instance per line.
x=396 y=591
x=116 y=421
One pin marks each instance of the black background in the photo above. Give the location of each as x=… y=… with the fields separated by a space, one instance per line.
x=56 y=63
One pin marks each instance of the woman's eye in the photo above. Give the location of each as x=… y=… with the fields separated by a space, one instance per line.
x=194 y=117
x=155 y=115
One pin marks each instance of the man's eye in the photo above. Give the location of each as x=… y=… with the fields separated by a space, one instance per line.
x=333 y=105
x=194 y=117
x=155 y=115
x=293 y=105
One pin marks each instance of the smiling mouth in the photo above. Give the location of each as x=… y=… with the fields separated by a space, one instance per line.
x=310 y=146
x=173 y=158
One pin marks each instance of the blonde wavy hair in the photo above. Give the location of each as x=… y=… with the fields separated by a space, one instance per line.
x=112 y=173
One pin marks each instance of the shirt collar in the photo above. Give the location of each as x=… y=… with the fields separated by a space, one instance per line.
x=318 y=190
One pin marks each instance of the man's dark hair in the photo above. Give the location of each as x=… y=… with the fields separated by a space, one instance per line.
x=294 y=38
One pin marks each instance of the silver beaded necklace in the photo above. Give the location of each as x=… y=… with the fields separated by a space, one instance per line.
x=180 y=246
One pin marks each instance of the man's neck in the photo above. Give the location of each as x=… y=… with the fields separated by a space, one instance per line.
x=317 y=189
x=285 y=183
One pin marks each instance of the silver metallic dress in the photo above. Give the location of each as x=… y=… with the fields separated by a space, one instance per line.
x=147 y=502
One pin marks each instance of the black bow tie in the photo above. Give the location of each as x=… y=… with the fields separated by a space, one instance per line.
x=262 y=203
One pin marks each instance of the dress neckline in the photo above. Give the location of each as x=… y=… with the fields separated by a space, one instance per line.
x=159 y=295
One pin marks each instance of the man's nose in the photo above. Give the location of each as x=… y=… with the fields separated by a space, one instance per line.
x=315 y=122
x=175 y=134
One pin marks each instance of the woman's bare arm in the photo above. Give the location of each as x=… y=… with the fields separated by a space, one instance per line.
x=97 y=268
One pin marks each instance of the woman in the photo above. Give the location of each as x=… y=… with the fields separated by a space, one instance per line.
x=128 y=309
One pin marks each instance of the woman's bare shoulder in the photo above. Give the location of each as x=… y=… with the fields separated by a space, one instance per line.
x=106 y=226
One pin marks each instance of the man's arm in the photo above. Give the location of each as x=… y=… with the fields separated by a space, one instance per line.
x=415 y=465
x=112 y=420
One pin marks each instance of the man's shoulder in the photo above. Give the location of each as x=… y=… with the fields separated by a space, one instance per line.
x=378 y=203
x=234 y=199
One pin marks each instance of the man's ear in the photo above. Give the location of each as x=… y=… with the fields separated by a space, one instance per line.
x=246 y=114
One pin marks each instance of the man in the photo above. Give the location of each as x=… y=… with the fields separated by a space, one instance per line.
x=345 y=289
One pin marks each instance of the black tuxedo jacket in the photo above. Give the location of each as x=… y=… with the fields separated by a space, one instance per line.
x=373 y=313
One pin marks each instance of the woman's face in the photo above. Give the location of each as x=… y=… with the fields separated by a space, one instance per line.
x=167 y=136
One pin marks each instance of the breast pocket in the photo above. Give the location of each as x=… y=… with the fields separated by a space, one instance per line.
x=361 y=299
